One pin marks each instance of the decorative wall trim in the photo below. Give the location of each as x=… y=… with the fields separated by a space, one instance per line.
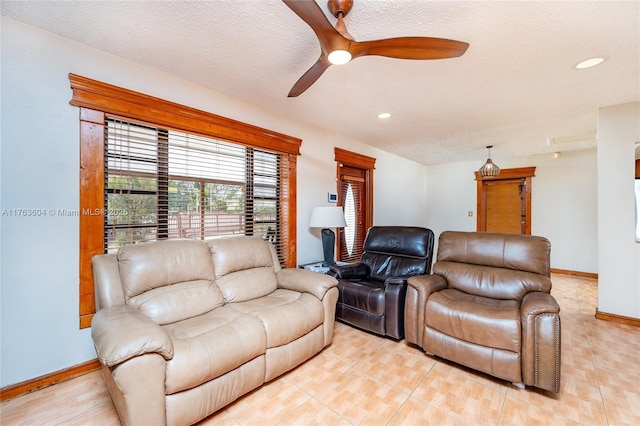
x=96 y=95
x=620 y=319
x=590 y=275
x=354 y=159
x=31 y=385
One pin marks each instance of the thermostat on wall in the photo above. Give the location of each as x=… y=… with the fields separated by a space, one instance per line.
x=333 y=198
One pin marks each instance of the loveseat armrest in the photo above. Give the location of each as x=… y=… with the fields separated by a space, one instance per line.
x=305 y=281
x=419 y=288
x=540 y=319
x=350 y=271
x=122 y=332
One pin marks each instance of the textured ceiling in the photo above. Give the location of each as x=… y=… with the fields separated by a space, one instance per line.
x=515 y=88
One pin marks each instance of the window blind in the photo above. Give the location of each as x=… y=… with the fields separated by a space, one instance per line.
x=161 y=183
x=352 y=190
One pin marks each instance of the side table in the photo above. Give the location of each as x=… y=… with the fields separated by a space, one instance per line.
x=315 y=267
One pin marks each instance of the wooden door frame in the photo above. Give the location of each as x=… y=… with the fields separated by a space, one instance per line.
x=506 y=174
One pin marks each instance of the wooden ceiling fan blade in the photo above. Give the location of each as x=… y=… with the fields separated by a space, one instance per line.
x=410 y=48
x=309 y=77
x=310 y=12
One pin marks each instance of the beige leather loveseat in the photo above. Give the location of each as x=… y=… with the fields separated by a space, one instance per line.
x=185 y=327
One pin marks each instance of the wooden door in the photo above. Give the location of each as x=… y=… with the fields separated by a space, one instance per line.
x=504 y=201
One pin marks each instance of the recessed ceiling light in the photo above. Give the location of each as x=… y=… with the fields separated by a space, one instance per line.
x=384 y=115
x=592 y=62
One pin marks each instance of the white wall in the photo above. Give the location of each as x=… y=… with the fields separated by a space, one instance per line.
x=564 y=204
x=400 y=194
x=619 y=266
x=39 y=170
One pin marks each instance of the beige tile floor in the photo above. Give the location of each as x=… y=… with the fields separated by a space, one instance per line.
x=362 y=379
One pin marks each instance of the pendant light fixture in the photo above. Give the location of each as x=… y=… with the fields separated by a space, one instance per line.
x=489 y=169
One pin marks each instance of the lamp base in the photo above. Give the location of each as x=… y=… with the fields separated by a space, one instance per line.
x=328 y=246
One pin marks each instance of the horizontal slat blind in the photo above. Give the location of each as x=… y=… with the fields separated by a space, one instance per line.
x=162 y=184
x=131 y=184
x=352 y=189
x=505 y=206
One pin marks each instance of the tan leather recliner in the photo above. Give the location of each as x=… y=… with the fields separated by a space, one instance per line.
x=488 y=306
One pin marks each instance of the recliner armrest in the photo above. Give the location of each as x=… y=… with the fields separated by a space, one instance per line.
x=399 y=279
x=305 y=281
x=350 y=271
x=425 y=285
x=419 y=288
x=536 y=302
x=395 y=291
x=540 y=319
x=395 y=280
x=122 y=332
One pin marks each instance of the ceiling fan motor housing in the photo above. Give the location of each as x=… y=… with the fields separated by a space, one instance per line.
x=337 y=7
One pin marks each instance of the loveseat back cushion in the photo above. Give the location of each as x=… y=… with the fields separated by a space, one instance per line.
x=169 y=280
x=392 y=251
x=244 y=267
x=501 y=266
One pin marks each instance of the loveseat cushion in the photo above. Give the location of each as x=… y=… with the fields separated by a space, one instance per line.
x=286 y=315
x=210 y=345
x=244 y=267
x=483 y=321
x=169 y=280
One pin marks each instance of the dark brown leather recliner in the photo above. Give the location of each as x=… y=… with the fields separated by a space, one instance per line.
x=372 y=292
x=488 y=306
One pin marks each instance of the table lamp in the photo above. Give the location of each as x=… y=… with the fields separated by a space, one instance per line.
x=325 y=218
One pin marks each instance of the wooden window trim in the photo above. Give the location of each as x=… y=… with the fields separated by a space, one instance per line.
x=92 y=94
x=515 y=173
x=95 y=99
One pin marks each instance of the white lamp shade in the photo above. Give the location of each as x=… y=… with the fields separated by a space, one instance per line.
x=327 y=217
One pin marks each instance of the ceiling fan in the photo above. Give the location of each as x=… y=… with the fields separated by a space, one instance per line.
x=339 y=47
